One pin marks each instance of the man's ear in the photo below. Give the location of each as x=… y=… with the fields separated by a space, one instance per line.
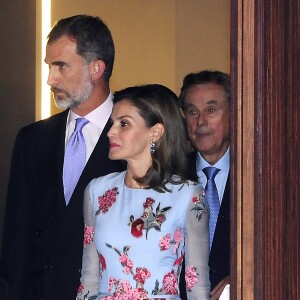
x=97 y=68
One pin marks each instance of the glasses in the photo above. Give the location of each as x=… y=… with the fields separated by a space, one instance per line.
x=191 y=113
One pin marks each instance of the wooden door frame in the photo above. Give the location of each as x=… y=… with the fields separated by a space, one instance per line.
x=265 y=106
x=242 y=149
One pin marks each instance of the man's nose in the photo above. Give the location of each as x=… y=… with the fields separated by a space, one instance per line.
x=201 y=119
x=52 y=77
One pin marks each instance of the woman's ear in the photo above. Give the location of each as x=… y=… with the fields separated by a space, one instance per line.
x=97 y=68
x=158 y=131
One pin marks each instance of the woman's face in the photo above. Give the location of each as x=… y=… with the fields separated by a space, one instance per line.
x=129 y=137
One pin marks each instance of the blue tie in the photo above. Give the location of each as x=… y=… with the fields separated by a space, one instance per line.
x=212 y=199
x=75 y=156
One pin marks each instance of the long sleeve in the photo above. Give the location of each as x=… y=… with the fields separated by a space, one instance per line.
x=14 y=267
x=197 y=247
x=90 y=273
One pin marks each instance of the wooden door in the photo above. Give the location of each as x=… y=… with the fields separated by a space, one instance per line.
x=265 y=64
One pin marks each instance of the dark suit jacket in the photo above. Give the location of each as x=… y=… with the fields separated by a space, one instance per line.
x=219 y=258
x=43 y=238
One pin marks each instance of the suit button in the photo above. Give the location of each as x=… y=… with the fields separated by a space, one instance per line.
x=48 y=267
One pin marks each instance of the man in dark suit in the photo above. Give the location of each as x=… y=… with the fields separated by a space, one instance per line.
x=43 y=234
x=204 y=99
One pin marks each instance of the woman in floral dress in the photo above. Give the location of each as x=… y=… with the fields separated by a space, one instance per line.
x=141 y=222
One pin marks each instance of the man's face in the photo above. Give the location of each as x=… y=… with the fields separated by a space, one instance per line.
x=207 y=117
x=69 y=75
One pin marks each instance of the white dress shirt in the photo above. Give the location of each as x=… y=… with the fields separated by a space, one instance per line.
x=221 y=178
x=91 y=131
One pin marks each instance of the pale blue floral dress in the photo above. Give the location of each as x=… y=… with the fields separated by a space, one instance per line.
x=135 y=240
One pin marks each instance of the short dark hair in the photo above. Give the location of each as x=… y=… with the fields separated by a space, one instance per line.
x=93 y=39
x=158 y=104
x=204 y=77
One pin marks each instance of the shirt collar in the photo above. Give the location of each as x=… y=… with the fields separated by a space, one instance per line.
x=223 y=163
x=98 y=116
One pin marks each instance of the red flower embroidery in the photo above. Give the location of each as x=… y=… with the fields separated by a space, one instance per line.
x=199 y=205
x=178 y=261
x=195 y=199
x=107 y=200
x=137 y=227
x=149 y=202
x=102 y=262
x=80 y=289
x=161 y=218
x=149 y=218
x=88 y=235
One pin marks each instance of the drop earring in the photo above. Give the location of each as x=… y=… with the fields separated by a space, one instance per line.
x=152 y=147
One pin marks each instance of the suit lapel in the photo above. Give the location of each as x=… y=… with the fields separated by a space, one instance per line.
x=49 y=139
x=60 y=158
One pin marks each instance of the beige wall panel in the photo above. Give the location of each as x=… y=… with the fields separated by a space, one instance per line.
x=144 y=36
x=202 y=36
x=159 y=41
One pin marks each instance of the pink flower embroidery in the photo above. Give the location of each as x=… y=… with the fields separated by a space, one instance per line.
x=164 y=242
x=190 y=277
x=169 y=284
x=141 y=275
x=124 y=291
x=107 y=200
x=126 y=263
x=88 y=235
x=177 y=239
x=111 y=283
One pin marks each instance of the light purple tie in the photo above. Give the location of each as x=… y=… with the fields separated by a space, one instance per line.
x=75 y=156
x=212 y=197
